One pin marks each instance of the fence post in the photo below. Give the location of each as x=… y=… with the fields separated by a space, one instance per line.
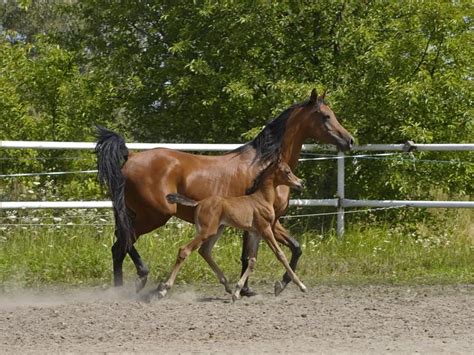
x=340 y=194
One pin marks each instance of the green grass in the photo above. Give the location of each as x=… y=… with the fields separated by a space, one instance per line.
x=80 y=255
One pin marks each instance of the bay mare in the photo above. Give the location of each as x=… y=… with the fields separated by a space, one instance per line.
x=139 y=182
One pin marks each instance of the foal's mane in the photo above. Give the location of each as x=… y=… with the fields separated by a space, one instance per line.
x=262 y=175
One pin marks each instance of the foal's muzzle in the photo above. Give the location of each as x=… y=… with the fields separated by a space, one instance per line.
x=300 y=186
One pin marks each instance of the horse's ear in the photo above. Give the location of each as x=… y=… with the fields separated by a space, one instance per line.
x=323 y=95
x=314 y=97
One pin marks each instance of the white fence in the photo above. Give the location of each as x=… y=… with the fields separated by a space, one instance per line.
x=340 y=202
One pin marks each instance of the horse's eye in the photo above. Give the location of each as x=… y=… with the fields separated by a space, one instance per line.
x=326 y=117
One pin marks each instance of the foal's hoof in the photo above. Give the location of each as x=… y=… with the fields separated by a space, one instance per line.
x=161 y=290
x=279 y=287
x=140 y=283
x=151 y=295
x=235 y=297
x=248 y=292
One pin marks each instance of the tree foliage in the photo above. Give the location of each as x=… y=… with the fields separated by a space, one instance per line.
x=175 y=71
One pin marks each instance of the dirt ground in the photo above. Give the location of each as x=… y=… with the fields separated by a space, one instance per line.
x=326 y=319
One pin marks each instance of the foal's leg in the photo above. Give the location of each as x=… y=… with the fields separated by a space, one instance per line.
x=183 y=253
x=246 y=274
x=249 y=249
x=270 y=239
x=206 y=252
x=283 y=237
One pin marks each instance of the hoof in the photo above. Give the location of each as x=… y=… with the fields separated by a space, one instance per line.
x=140 y=283
x=303 y=288
x=235 y=296
x=279 y=287
x=160 y=291
x=248 y=292
x=161 y=294
x=228 y=289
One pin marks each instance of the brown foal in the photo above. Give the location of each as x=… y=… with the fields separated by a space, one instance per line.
x=254 y=213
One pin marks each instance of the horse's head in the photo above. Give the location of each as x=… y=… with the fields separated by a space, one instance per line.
x=284 y=176
x=321 y=123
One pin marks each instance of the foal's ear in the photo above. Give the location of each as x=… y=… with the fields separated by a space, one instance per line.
x=314 y=97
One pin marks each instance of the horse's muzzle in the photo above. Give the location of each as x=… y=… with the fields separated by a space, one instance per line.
x=344 y=144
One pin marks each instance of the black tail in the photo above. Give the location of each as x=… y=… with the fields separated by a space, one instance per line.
x=111 y=153
x=180 y=199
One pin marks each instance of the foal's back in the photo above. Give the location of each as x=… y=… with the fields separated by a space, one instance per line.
x=244 y=212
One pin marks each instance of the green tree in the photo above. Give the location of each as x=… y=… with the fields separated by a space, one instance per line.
x=210 y=72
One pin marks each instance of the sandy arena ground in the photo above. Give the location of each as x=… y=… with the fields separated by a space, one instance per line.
x=336 y=319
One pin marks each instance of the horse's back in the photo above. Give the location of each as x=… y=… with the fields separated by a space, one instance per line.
x=164 y=166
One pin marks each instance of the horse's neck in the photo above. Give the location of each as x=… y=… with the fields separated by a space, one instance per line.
x=292 y=143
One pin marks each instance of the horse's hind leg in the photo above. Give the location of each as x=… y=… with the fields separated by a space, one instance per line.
x=144 y=223
x=118 y=254
x=283 y=237
x=270 y=239
x=142 y=269
x=206 y=252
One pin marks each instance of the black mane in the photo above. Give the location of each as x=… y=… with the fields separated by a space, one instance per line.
x=267 y=143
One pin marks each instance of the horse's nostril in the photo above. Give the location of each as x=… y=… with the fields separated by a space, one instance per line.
x=351 y=142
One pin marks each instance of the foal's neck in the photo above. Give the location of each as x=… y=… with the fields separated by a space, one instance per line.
x=267 y=190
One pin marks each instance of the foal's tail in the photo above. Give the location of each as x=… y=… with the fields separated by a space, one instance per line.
x=112 y=153
x=182 y=200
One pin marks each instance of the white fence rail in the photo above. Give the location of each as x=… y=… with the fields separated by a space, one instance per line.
x=197 y=147
x=341 y=202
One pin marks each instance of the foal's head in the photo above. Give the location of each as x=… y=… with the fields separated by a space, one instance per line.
x=284 y=176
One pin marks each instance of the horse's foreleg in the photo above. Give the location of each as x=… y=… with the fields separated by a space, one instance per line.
x=142 y=269
x=270 y=239
x=206 y=252
x=249 y=250
x=283 y=237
